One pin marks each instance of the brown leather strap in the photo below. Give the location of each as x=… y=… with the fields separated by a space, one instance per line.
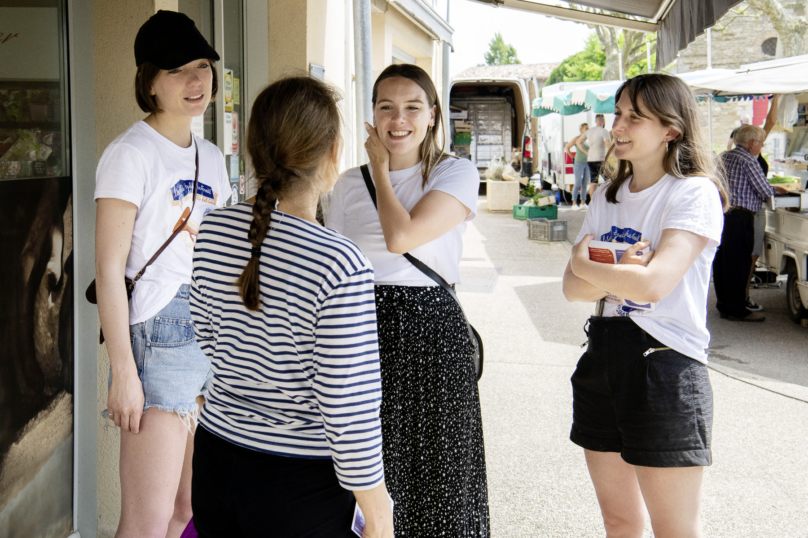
x=178 y=230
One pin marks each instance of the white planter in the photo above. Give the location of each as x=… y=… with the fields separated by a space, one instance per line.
x=502 y=195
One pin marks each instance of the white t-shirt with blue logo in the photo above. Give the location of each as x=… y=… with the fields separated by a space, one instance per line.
x=692 y=204
x=143 y=167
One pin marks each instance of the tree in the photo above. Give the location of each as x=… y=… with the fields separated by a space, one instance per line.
x=499 y=53
x=791 y=28
x=590 y=64
x=626 y=47
x=585 y=65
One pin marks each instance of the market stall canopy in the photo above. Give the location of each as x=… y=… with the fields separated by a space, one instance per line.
x=677 y=22
x=787 y=75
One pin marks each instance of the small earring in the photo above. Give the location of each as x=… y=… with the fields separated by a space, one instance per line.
x=667 y=147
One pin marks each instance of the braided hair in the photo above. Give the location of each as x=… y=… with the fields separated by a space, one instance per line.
x=294 y=125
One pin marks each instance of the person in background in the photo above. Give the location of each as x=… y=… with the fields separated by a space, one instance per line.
x=760 y=216
x=642 y=400
x=599 y=142
x=434 y=457
x=289 y=438
x=748 y=188
x=746 y=119
x=144 y=191
x=580 y=169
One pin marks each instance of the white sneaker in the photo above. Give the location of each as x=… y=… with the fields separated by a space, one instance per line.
x=584 y=206
x=575 y=207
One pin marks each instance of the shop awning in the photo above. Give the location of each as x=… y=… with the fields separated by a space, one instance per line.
x=788 y=75
x=677 y=22
x=599 y=97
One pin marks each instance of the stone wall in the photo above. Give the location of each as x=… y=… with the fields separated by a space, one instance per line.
x=736 y=40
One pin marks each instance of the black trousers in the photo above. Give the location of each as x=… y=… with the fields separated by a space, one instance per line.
x=732 y=262
x=238 y=493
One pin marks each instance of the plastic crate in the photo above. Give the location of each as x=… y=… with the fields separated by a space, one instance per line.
x=521 y=212
x=547 y=230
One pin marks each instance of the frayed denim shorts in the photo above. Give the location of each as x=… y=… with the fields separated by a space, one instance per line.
x=172 y=368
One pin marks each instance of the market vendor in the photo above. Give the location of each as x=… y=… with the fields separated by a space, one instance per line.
x=748 y=188
x=760 y=216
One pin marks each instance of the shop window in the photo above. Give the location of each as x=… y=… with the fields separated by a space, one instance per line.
x=769 y=47
x=222 y=24
x=33 y=115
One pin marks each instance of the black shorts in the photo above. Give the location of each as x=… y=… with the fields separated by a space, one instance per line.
x=241 y=493
x=655 y=409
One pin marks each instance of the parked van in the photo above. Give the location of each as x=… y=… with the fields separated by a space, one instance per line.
x=493 y=116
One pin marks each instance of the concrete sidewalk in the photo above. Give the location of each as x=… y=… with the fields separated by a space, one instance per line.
x=537 y=479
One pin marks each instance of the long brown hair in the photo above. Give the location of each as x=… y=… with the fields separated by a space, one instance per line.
x=293 y=127
x=431 y=152
x=668 y=98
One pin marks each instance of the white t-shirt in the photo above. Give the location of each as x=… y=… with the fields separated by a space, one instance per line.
x=352 y=214
x=692 y=204
x=598 y=137
x=143 y=167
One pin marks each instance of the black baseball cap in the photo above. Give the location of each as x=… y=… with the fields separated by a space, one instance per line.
x=170 y=40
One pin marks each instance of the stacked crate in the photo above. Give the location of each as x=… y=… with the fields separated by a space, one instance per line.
x=491 y=129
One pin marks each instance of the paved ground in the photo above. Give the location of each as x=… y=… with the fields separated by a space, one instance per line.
x=538 y=484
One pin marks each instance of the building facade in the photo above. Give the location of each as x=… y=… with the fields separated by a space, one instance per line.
x=66 y=91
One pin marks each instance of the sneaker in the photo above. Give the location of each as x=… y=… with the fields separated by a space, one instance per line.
x=584 y=206
x=752 y=317
x=575 y=207
x=752 y=306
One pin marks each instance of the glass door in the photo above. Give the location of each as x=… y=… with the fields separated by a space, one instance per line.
x=36 y=276
x=222 y=24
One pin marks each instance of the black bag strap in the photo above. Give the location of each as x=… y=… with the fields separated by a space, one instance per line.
x=421 y=266
x=179 y=228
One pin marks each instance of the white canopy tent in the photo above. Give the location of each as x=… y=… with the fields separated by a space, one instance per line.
x=788 y=75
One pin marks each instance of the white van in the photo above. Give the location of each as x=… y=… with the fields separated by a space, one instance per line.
x=498 y=110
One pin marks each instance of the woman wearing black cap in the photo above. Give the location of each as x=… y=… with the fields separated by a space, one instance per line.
x=154 y=184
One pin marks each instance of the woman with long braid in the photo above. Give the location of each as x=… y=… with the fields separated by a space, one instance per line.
x=289 y=437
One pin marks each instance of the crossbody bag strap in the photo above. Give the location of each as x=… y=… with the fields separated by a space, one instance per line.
x=179 y=229
x=421 y=266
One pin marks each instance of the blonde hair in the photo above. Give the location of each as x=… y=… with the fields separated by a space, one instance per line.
x=670 y=100
x=431 y=152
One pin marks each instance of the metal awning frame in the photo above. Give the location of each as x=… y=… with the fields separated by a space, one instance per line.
x=586 y=17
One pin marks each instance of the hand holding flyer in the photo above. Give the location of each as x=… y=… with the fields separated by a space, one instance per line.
x=606 y=252
x=358 y=526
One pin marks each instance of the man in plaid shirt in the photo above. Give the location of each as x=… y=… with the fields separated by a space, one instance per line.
x=748 y=188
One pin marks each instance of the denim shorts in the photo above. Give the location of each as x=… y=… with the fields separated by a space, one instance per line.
x=634 y=395
x=172 y=368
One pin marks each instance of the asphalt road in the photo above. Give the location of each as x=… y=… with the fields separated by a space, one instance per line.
x=538 y=483
x=776 y=348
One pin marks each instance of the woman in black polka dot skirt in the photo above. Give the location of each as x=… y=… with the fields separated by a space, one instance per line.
x=432 y=434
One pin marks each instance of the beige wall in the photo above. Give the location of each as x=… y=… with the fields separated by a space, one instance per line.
x=288 y=26
x=115 y=25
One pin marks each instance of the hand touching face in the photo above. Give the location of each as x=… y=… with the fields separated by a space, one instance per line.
x=403 y=119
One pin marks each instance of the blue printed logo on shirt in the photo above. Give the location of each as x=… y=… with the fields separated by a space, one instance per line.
x=622 y=235
x=182 y=190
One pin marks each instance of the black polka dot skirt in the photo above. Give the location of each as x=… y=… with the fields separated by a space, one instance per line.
x=434 y=459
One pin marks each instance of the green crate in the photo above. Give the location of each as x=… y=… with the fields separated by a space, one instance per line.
x=462 y=139
x=522 y=212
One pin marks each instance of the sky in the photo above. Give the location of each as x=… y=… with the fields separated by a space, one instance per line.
x=537 y=39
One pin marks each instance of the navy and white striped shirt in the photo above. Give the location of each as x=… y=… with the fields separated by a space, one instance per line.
x=300 y=377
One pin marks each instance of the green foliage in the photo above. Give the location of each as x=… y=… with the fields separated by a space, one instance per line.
x=585 y=65
x=589 y=63
x=499 y=53
x=529 y=190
